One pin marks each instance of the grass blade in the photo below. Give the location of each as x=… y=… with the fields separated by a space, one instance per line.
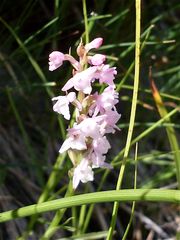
x=169 y=129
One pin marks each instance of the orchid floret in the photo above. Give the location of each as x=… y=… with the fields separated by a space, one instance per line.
x=56 y=59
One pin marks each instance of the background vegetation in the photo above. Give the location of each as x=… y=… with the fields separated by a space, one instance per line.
x=31 y=133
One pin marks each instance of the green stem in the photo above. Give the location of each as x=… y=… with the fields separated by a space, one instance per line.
x=132 y=116
x=82 y=217
x=129 y=195
x=135 y=186
x=85 y=20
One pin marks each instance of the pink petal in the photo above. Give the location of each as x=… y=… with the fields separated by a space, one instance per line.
x=68 y=85
x=81 y=81
x=56 y=59
x=106 y=74
x=97 y=59
x=89 y=127
x=83 y=172
x=71 y=96
x=96 y=43
x=62 y=106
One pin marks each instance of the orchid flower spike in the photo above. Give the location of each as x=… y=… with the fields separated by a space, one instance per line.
x=95 y=113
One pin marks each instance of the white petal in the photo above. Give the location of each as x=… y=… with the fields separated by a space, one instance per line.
x=79 y=143
x=68 y=85
x=65 y=146
x=76 y=180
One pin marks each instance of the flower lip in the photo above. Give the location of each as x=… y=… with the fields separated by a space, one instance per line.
x=62 y=104
x=97 y=59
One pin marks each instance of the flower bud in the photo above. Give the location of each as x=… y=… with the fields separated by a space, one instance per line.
x=96 y=43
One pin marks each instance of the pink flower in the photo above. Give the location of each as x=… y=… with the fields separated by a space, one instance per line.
x=81 y=81
x=96 y=43
x=62 y=104
x=97 y=59
x=75 y=140
x=108 y=121
x=56 y=59
x=98 y=160
x=77 y=136
x=83 y=172
x=89 y=128
x=101 y=145
x=105 y=74
x=105 y=101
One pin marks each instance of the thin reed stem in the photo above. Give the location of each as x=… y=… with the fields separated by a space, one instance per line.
x=132 y=116
x=85 y=21
x=133 y=204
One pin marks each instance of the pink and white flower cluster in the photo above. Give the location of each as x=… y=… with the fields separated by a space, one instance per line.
x=95 y=113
